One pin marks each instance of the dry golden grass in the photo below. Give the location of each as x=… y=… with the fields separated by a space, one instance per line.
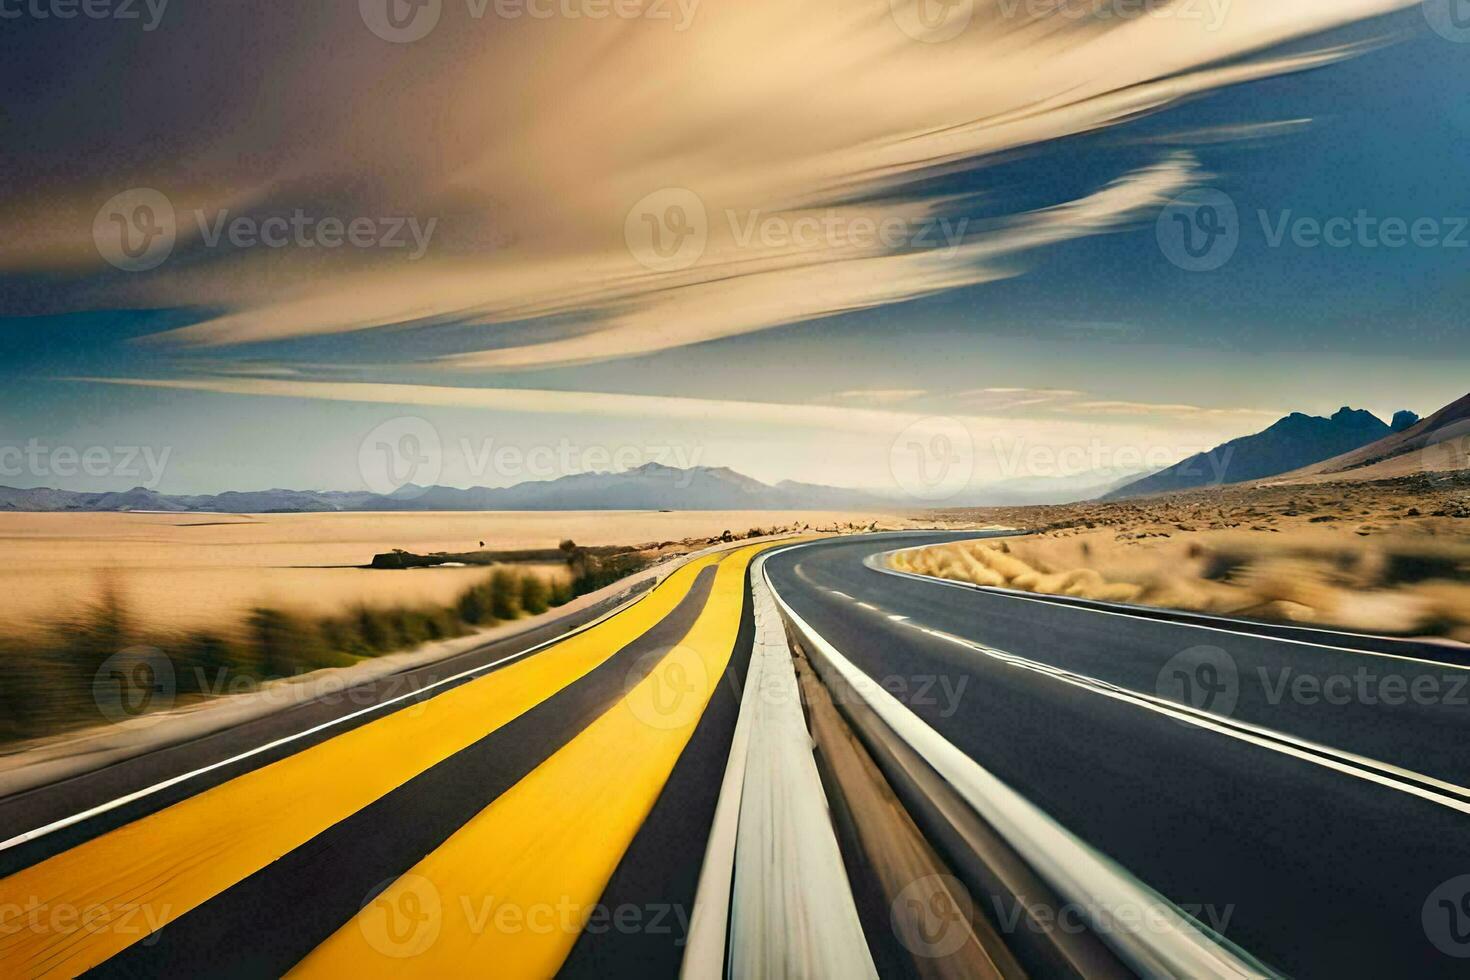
x=197 y=570
x=1400 y=583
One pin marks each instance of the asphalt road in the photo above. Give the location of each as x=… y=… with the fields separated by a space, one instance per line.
x=1319 y=862
x=572 y=782
x=473 y=799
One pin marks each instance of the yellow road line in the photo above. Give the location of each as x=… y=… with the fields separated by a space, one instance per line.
x=508 y=894
x=78 y=908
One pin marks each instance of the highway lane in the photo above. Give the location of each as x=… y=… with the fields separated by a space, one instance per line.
x=304 y=723
x=1314 y=869
x=306 y=862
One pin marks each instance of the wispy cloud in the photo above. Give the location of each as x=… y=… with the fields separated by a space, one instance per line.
x=1160 y=408
x=762 y=110
x=878 y=396
x=1229 y=133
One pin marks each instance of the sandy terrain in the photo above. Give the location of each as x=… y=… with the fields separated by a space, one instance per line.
x=184 y=570
x=1391 y=556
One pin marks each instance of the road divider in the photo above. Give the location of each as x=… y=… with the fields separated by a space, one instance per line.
x=176 y=859
x=552 y=841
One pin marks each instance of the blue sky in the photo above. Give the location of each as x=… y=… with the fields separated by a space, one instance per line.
x=1087 y=335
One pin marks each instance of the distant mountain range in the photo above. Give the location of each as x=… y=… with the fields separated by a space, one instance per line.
x=1351 y=444
x=1437 y=444
x=650 y=487
x=1294 y=442
x=1030 y=491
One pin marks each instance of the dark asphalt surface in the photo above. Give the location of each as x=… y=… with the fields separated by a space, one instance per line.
x=293 y=904
x=41 y=806
x=1316 y=872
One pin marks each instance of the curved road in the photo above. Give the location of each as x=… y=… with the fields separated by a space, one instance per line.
x=1317 y=862
x=571 y=802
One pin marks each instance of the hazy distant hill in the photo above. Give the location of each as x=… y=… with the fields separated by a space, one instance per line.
x=650 y=487
x=1039 y=490
x=1292 y=443
x=1440 y=442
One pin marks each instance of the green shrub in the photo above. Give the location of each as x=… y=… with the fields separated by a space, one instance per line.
x=505 y=594
x=474 y=605
x=535 y=594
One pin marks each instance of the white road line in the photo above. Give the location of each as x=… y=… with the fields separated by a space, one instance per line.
x=704 y=950
x=1363 y=767
x=1012 y=594
x=1341 y=760
x=158 y=787
x=1147 y=930
x=792 y=910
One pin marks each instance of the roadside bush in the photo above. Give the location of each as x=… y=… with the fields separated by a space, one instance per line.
x=505 y=594
x=535 y=594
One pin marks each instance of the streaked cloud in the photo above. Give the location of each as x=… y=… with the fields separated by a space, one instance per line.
x=1232 y=133
x=1155 y=408
x=532 y=143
